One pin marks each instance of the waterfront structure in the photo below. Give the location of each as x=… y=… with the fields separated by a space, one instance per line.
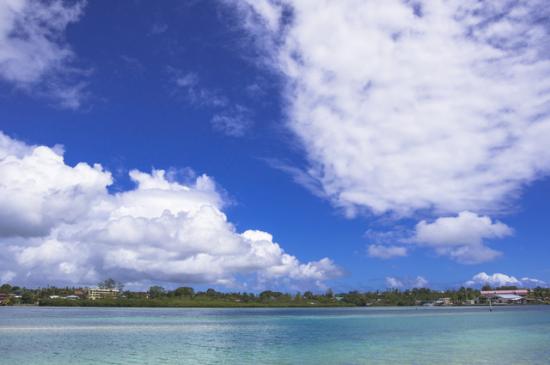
x=102 y=293
x=443 y=301
x=511 y=296
x=4 y=298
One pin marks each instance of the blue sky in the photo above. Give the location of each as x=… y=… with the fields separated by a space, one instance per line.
x=380 y=138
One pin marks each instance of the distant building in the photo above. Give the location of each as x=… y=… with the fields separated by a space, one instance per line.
x=98 y=293
x=506 y=296
x=443 y=301
x=72 y=297
x=4 y=298
x=491 y=293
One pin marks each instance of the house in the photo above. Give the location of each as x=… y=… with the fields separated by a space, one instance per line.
x=102 y=293
x=443 y=301
x=72 y=297
x=4 y=298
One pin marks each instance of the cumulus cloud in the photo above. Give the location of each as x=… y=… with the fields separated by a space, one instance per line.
x=408 y=106
x=499 y=279
x=393 y=283
x=461 y=237
x=59 y=224
x=386 y=252
x=420 y=282
x=33 y=53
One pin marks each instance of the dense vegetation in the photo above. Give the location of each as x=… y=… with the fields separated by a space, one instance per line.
x=157 y=296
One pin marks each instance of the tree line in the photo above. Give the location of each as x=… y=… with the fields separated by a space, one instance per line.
x=188 y=297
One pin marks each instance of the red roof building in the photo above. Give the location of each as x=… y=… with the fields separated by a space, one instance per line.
x=494 y=293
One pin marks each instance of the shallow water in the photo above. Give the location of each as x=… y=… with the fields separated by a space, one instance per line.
x=508 y=335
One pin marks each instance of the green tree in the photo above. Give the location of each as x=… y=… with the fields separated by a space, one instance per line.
x=184 y=292
x=212 y=293
x=27 y=298
x=5 y=288
x=156 y=292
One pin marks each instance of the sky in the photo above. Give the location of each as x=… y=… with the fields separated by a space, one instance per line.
x=286 y=144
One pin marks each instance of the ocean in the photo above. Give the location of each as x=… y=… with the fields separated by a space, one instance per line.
x=424 y=335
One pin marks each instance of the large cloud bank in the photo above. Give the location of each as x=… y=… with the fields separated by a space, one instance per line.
x=405 y=107
x=59 y=224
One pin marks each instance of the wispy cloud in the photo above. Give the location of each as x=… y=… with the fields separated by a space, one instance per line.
x=234 y=122
x=231 y=119
x=386 y=252
x=189 y=85
x=406 y=283
x=299 y=176
x=34 y=56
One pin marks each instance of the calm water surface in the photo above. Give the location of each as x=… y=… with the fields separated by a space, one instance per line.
x=511 y=335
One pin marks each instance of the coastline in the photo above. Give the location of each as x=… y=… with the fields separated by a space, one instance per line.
x=160 y=304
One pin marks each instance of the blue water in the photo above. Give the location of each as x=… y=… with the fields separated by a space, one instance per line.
x=508 y=335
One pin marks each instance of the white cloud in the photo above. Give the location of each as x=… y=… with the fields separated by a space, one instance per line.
x=499 y=279
x=38 y=190
x=393 y=283
x=59 y=224
x=33 y=54
x=532 y=282
x=465 y=229
x=408 y=106
x=461 y=237
x=400 y=112
x=190 y=84
x=397 y=283
x=420 y=282
x=234 y=122
x=6 y=276
x=386 y=252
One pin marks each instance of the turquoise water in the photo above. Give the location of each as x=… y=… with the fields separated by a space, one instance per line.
x=508 y=335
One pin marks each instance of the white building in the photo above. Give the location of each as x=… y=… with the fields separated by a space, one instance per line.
x=98 y=293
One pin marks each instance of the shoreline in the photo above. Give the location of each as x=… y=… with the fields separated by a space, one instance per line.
x=256 y=305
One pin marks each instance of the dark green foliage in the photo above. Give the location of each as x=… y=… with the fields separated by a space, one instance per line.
x=27 y=298
x=156 y=292
x=184 y=292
